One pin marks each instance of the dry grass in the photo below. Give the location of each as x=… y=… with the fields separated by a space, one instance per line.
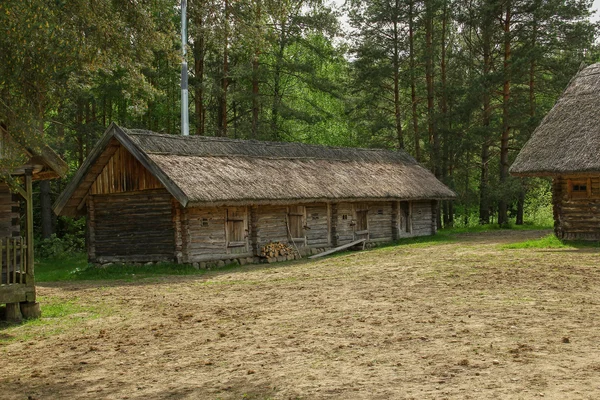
x=463 y=320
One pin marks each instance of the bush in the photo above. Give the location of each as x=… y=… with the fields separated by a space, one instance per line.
x=55 y=247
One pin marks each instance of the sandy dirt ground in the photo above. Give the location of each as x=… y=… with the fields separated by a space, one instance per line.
x=464 y=320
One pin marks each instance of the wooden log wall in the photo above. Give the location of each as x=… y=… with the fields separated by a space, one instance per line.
x=345 y=223
x=215 y=233
x=423 y=218
x=380 y=221
x=577 y=215
x=123 y=173
x=205 y=232
x=318 y=224
x=10 y=225
x=132 y=226
x=271 y=225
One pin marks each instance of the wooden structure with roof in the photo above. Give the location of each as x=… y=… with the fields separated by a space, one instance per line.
x=17 y=281
x=566 y=147
x=150 y=197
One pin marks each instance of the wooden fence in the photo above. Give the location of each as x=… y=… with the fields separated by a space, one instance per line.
x=13 y=256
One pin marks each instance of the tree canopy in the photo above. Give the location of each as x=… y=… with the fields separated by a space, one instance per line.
x=458 y=84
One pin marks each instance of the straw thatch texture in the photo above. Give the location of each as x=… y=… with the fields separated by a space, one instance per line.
x=217 y=170
x=213 y=171
x=568 y=139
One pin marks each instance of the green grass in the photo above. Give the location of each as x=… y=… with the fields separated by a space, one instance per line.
x=58 y=316
x=76 y=268
x=549 y=242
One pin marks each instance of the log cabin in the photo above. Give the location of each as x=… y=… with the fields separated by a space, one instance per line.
x=152 y=197
x=566 y=148
x=21 y=165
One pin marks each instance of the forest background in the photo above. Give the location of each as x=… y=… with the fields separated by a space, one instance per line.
x=459 y=84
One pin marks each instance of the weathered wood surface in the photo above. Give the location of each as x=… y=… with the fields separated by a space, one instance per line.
x=123 y=173
x=380 y=221
x=318 y=225
x=271 y=225
x=134 y=226
x=576 y=215
x=13 y=261
x=345 y=223
x=423 y=218
x=16 y=293
x=339 y=248
x=9 y=213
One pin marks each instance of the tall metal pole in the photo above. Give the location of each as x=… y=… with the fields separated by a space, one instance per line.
x=185 y=118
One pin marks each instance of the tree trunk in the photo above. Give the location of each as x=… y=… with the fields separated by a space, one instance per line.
x=521 y=204
x=222 y=114
x=413 y=83
x=429 y=78
x=46 y=209
x=484 y=206
x=199 y=52
x=502 y=204
x=277 y=85
x=396 y=62
x=444 y=111
x=255 y=77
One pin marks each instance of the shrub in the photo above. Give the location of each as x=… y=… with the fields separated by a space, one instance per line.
x=55 y=247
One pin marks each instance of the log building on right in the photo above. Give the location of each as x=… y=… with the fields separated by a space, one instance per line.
x=566 y=147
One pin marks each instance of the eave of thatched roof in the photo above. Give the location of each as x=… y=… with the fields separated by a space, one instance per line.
x=568 y=139
x=45 y=163
x=216 y=171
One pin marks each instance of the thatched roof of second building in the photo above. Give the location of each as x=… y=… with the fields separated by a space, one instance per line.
x=213 y=171
x=568 y=139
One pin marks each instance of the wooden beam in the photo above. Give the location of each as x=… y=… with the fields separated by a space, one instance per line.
x=29 y=229
x=343 y=247
x=16 y=293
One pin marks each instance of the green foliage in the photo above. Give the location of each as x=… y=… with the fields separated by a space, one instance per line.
x=74 y=266
x=284 y=70
x=55 y=247
x=547 y=242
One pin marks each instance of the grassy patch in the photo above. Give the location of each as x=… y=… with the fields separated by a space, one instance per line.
x=58 y=316
x=59 y=269
x=549 y=242
x=76 y=268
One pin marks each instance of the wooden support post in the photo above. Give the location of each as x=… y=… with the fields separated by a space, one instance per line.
x=395 y=220
x=31 y=310
x=333 y=219
x=29 y=227
x=13 y=312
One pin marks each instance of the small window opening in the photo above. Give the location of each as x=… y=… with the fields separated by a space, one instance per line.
x=379 y=212
x=344 y=216
x=204 y=222
x=580 y=188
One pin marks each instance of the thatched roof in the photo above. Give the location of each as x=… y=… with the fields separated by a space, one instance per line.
x=568 y=139
x=218 y=171
x=44 y=162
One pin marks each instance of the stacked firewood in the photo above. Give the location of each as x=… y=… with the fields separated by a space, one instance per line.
x=276 y=249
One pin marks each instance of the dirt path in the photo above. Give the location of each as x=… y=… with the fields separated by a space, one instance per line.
x=465 y=320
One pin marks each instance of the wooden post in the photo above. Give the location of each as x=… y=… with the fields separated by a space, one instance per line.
x=13 y=312
x=396 y=220
x=29 y=227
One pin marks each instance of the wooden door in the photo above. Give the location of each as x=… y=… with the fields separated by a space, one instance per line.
x=296 y=220
x=361 y=221
x=237 y=230
x=405 y=218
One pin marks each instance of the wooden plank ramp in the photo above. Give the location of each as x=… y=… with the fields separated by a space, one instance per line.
x=326 y=253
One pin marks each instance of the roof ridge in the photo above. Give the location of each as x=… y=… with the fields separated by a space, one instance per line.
x=141 y=132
